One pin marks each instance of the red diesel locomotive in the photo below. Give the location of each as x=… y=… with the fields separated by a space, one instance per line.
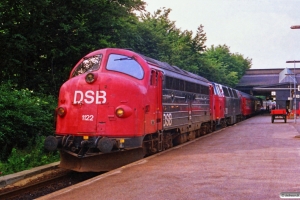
x=119 y=106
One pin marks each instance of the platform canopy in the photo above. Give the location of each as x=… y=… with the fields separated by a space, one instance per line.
x=262 y=81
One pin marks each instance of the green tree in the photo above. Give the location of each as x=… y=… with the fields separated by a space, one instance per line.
x=24 y=116
x=159 y=38
x=227 y=67
x=41 y=40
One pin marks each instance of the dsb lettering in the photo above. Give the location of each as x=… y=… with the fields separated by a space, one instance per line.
x=89 y=97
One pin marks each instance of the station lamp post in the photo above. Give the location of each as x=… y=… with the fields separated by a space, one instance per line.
x=294 y=95
x=295 y=61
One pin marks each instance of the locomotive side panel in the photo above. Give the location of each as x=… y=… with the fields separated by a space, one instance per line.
x=218 y=108
x=237 y=98
x=200 y=106
x=175 y=109
x=250 y=105
x=232 y=105
x=186 y=104
x=153 y=118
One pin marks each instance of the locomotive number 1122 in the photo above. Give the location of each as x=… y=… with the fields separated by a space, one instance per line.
x=87 y=117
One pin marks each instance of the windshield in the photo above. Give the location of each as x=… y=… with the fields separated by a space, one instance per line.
x=126 y=65
x=88 y=65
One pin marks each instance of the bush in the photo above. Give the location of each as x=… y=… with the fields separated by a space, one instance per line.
x=24 y=117
x=29 y=157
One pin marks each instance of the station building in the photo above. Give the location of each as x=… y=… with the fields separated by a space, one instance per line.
x=277 y=87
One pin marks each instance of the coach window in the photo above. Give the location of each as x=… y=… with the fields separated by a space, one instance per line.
x=126 y=65
x=88 y=65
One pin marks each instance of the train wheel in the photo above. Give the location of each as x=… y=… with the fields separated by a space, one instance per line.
x=180 y=139
x=209 y=128
x=168 y=143
x=198 y=133
x=192 y=135
x=202 y=130
x=223 y=123
x=214 y=128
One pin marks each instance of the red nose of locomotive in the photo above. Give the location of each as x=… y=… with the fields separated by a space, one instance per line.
x=98 y=111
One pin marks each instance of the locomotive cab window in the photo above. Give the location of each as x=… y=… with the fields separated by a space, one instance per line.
x=88 y=65
x=230 y=92
x=126 y=65
x=226 y=92
x=218 y=90
x=235 y=94
x=215 y=89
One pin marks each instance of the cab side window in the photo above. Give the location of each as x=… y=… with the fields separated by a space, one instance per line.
x=153 y=78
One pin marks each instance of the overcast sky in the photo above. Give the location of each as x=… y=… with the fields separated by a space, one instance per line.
x=257 y=29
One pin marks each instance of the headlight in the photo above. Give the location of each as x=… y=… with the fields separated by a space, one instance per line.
x=120 y=112
x=61 y=111
x=91 y=77
x=123 y=111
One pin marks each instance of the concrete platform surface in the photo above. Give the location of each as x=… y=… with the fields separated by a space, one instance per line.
x=254 y=159
x=13 y=178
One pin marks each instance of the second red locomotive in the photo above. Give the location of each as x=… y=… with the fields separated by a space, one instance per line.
x=119 y=106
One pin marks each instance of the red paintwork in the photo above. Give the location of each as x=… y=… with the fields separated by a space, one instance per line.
x=116 y=90
x=217 y=106
x=278 y=112
x=248 y=104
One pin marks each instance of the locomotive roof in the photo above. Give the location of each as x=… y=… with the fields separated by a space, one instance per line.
x=174 y=69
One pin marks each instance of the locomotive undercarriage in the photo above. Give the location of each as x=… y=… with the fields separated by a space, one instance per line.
x=95 y=160
x=90 y=146
x=157 y=142
x=95 y=153
x=161 y=141
x=100 y=162
x=80 y=146
x=233 y=119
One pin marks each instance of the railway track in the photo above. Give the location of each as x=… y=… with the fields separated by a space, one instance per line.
x=43 y=184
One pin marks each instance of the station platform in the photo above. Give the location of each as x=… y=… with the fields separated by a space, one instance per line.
x=254 y=159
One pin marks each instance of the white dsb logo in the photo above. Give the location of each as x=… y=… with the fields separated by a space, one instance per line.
x=167 y=119
x=89 y=97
